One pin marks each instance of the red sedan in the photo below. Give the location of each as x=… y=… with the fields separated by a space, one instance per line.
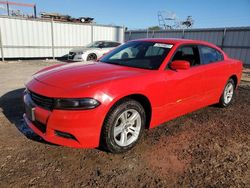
x=139 y=85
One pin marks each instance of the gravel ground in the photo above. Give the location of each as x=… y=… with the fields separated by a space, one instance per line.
x=207 y=148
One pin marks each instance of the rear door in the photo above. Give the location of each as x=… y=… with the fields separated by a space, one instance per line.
x=215 y=72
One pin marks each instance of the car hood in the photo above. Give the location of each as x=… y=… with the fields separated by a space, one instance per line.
x=79 y=74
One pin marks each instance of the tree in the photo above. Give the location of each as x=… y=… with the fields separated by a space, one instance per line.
x=155 y=28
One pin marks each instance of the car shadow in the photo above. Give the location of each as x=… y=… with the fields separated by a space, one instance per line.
x=13 y=109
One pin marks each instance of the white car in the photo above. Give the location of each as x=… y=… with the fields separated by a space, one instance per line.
x=92 y=52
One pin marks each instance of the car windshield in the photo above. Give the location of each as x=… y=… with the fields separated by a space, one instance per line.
x=139 y=54
x=96 y=44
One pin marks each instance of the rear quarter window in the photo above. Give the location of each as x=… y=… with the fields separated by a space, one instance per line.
x=210 y=55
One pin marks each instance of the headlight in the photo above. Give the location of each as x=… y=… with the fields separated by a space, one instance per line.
x=76 y=104
x=79 y=53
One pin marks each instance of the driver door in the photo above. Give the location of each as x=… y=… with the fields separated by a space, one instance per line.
x=184 y=88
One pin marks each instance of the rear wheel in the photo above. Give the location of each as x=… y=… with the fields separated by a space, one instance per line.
x=228 y=93
x=123 y=126
x=92 y=57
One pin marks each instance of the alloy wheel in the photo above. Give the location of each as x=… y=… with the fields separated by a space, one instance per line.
x=228 y=93
x=127 y=127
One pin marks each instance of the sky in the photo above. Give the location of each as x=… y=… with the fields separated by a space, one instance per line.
x=141 y=14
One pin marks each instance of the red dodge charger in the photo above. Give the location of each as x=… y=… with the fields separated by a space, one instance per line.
x=137 y=86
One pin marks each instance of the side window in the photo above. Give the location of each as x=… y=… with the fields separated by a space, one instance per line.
x=210 y=55
x=111 y=44
x=100 y=44
x=188 y=53
x=106 y=44
x=114 y=44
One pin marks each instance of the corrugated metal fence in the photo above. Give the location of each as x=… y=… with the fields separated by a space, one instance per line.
x=234 y=41
x=24 y=38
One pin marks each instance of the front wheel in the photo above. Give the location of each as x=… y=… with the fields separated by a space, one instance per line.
x=92 y=57
x=228 y=93
x=123 y=126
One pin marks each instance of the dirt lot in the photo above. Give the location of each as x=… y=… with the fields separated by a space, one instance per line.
x=207 y=148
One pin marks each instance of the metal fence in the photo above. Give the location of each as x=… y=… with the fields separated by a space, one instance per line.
x=25 y=38
x=234 y=41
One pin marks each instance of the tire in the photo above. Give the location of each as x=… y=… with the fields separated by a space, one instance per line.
x=123 y=126
x=228 y=94
x=92 y=57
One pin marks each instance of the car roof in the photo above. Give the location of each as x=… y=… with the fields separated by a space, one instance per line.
x=107 y=41
x=173 y=41
x=179 y=41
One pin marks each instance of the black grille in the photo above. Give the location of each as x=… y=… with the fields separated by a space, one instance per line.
x=65 y=135
x=42 y=101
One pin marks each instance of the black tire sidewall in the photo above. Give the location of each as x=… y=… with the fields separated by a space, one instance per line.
x=91 y=55
x=108 y=137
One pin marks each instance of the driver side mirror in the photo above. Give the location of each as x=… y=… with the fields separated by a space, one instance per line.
x=180 y=65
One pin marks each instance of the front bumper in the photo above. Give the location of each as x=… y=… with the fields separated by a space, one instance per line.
x=73 y=128
x=76 y=57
